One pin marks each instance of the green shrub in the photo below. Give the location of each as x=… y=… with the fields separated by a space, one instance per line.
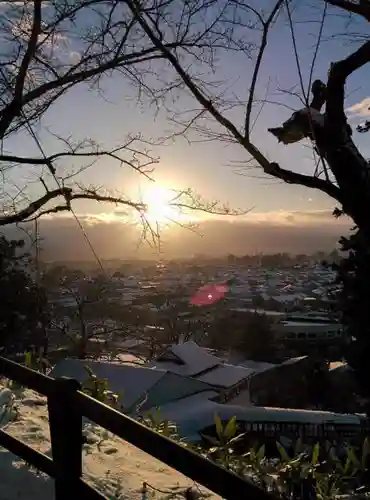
x=314 y=473
x=310 y=473
x=98 y=388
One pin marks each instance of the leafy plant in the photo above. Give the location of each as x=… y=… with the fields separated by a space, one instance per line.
x=223 y=444
x=37 y=363
x=98 y=388
x=315 y=472
x=312 y=472
x=155 y=421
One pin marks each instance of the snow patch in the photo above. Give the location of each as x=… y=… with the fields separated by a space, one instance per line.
x=111 y=465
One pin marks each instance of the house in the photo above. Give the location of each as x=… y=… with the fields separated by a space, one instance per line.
x=287 y=385
x=191 y=386
x=195 y=415
x=309 y=331
x=191 y=360
x=246 y=384
x=135 y=386
x=188 y=359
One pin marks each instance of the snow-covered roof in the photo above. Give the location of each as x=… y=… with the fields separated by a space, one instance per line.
x=173 y=387
x=183 y=406
x=310 y=324
x=194 y=359
x=136 y=384
x=291 y=361
x=198 y=412
x=197 y=363
x=226 y=375
x=130 y=381
x=191 y=360
x=257 y=366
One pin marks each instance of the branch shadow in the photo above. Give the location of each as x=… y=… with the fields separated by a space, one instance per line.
x=19 y=482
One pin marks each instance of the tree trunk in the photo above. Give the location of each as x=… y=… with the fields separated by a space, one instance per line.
x=352 y=174
x=354 y=302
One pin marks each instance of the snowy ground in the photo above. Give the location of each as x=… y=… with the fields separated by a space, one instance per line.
x=110 y=464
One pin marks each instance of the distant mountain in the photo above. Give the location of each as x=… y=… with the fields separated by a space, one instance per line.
x=62 y=239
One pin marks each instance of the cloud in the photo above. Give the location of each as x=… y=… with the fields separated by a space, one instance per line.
x=114 y=238
x=361 y=108
x=300 y=218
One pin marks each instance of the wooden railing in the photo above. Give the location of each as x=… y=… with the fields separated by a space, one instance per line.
x=67 y=405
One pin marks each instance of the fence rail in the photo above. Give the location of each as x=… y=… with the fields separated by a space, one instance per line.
x=67 y=405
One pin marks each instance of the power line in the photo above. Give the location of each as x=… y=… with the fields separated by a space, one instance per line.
x=321 y=159
x=51 y=170
x=37 y=252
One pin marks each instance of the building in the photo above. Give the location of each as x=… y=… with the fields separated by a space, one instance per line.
x=191 y=386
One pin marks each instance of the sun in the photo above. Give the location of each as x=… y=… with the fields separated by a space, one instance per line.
x=159 y=205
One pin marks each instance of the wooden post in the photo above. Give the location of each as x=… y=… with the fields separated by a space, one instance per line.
x=66 y=438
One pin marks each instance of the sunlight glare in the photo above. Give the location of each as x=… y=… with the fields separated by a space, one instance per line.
x=158 y=202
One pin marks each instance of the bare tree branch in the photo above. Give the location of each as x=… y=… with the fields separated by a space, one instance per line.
x=136 y=41
x=67 y=193
x=50 y=49
x=114 y=153
x=305 y=180
x=29 y=54
x=268 y=167
x=265 y=31
x=361 y=8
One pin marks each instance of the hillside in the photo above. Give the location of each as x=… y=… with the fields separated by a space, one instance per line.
x=113 y=466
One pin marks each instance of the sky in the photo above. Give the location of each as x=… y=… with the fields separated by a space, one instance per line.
x=213 y=169
x=300 y=233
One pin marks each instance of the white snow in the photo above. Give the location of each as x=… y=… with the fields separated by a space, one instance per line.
x=195 y=413
x=193 y=358
x=136 y=380
x=197 y=363
x=112 y=465
x=225 y=375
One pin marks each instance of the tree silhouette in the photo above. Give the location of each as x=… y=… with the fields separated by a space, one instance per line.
x=24 y=312
x=339 y=170
x=258 y=341
x=53 y=47
x=85 y=312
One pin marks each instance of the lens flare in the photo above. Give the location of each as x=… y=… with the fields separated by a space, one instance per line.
x=209 y=294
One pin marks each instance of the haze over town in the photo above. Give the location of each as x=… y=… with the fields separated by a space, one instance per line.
x=299 y=232
x=179 y=180
x=285 y=217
